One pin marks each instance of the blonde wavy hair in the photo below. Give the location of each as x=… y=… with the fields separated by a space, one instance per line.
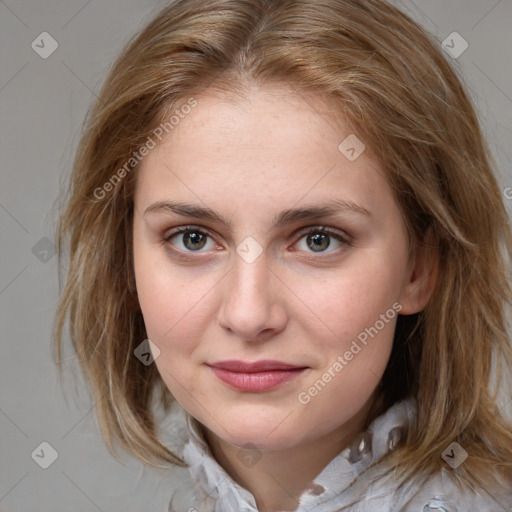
x=389 y=79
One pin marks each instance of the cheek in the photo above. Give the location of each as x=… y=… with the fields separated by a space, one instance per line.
x=165 y=307
x=175 y=304
x=349 y=300
x=174 y=318
x=355 y=349
x=359 y=307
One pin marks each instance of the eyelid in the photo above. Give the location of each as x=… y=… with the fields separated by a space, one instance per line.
x=183 y=229
x=187 y=255
x=344 y=238
x=303 y=231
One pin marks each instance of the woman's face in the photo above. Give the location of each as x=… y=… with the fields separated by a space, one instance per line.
x=263 y=254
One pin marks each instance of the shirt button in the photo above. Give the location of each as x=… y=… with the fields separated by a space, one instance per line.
x=361 y=446
x=394 y=437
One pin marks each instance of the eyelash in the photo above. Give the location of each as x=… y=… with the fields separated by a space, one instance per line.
x=323 y=230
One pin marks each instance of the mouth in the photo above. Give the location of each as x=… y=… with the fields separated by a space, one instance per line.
x=258 y=376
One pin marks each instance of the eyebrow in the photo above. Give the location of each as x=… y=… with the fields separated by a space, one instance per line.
x=289 y=216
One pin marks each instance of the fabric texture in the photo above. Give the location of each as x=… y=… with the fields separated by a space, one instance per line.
x=354 y=481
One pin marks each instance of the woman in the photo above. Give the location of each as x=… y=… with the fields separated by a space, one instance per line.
x=294 y=202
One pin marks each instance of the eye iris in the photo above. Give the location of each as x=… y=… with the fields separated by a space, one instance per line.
x=318 y=241
x=194 y=240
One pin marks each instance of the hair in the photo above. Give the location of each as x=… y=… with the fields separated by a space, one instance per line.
x=388 y=79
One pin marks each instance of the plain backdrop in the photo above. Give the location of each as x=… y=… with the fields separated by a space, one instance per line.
x=43 y=102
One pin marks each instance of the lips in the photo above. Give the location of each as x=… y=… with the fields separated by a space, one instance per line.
x=258 y=376
x=257 y=366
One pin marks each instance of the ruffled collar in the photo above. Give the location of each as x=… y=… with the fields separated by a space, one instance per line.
x=218 y=492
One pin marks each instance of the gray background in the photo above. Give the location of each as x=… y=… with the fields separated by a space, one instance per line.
x=43 y=103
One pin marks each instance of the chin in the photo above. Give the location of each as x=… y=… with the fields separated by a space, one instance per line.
x=263 y=432
x=254 y=440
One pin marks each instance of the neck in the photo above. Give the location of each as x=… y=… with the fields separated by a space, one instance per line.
x=278 y=478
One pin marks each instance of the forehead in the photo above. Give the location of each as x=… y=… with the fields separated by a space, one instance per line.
x=270 y=143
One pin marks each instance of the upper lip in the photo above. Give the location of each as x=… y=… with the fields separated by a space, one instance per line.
x=253 y=367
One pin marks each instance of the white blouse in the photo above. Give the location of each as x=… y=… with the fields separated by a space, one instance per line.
x=351 y=482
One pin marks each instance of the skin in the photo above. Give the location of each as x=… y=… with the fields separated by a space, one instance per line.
x=248 y=160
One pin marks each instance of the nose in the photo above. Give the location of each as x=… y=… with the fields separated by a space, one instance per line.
x=252 y=304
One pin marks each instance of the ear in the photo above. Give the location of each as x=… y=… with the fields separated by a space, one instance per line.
x=421 y=275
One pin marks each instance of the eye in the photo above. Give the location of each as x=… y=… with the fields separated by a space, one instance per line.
x=190 y=239
x=321 y=240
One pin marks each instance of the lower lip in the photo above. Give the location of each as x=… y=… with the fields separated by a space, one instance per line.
x=256 y=381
